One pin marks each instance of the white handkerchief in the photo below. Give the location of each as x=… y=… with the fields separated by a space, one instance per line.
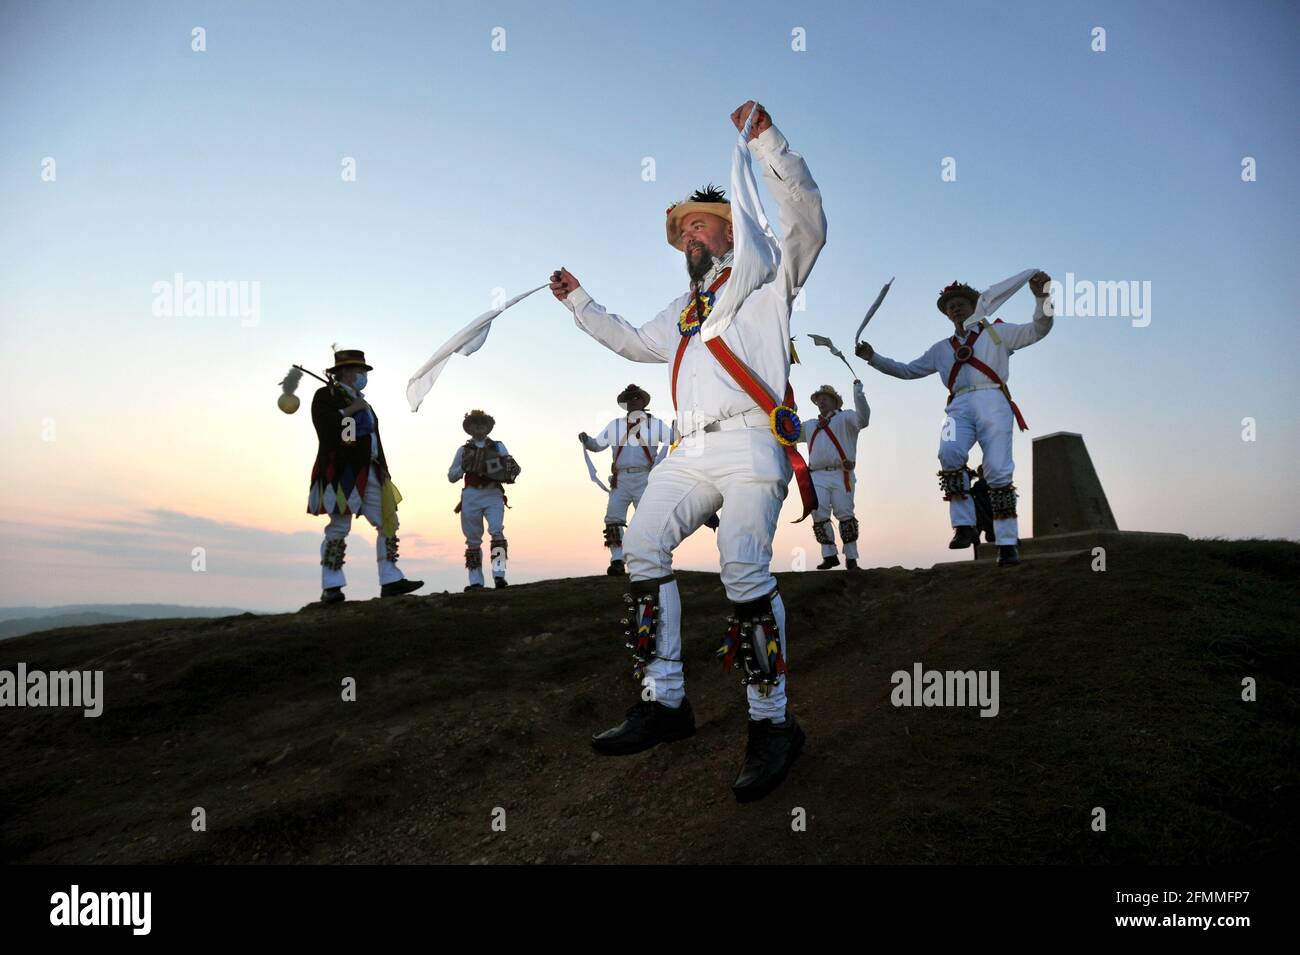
x=757 y=253
x=465 y=342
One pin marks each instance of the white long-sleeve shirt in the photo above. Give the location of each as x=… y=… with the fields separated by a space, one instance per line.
x=993 y=347
x=456 y=472
x=760 y=333
x=845 y=425
x=629 y=436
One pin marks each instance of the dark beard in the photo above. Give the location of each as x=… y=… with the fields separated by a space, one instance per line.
x=698 y=268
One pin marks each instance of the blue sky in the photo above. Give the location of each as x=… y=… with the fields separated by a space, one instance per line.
x=480 y=170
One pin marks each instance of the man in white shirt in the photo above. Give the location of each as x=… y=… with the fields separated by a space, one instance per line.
x=832 y=439
x=975 y=366
x=486 y=466
x=639 y=441
x=736 y=453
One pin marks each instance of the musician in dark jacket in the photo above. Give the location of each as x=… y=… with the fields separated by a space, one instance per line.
x=351 y=476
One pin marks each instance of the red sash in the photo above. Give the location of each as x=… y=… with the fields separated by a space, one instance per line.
x=756 y=390
x=844 y=458
x=978 y=366
x=686 y=316
x=750 y=384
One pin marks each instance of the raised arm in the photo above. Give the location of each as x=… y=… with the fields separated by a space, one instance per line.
x=1018 y=336
x=798 y=201
x=860 y=405
x=918 y=368
x=649 y=343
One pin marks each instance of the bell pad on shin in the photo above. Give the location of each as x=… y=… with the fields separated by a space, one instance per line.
x=641 y=625
x=754 y=639
x=952 y=481
x=1002 y=500
x=332 y=556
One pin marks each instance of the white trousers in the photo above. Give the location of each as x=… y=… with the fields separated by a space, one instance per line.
x=627 y=494
x=833 y=499
x=479 y=504
x=743 y=477
x=980 y=416
x=340 y=524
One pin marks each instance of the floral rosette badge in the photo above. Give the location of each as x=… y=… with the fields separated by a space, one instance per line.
x=689 y=322
x=786 y=424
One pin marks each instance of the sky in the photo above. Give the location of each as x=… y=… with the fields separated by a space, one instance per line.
x=950 y=141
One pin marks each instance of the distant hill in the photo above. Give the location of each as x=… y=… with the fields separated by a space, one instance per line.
x=1118 y=689
x=19 y=621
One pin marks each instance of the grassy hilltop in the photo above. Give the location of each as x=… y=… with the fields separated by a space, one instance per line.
x=1119 y=689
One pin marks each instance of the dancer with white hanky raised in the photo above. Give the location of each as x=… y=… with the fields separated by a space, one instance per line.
x=727 y=340
x=639 y=441
x=832 y=457
x=975 y=364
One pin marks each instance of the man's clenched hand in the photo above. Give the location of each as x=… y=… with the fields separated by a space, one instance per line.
x=562 y=283
x=762 y=121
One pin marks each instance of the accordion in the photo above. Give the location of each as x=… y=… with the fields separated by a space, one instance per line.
x=488 y=463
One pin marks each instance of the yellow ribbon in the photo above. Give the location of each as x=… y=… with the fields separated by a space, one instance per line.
x=390 y=498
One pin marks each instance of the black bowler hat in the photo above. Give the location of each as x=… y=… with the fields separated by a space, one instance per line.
x=349 y=358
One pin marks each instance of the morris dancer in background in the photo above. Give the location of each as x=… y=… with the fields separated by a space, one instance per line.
x=486 y=466
x=351 y=476
x=832 y=453
x=736 y=454
x=975 y=365
x=640 y=441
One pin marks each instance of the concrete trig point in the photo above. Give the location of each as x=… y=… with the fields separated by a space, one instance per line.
x=1071 y=513
x=1068 y=497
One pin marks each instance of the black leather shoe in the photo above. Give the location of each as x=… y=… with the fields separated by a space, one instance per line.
x=829 y=562
x=1008 y=555
x=473 y=587
x=499 y=582
x=615 y=569
x=850 y=564
x=332 y=595
x=769 y=753
x=399 y=587
x=963 y=536
x=647 y=724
